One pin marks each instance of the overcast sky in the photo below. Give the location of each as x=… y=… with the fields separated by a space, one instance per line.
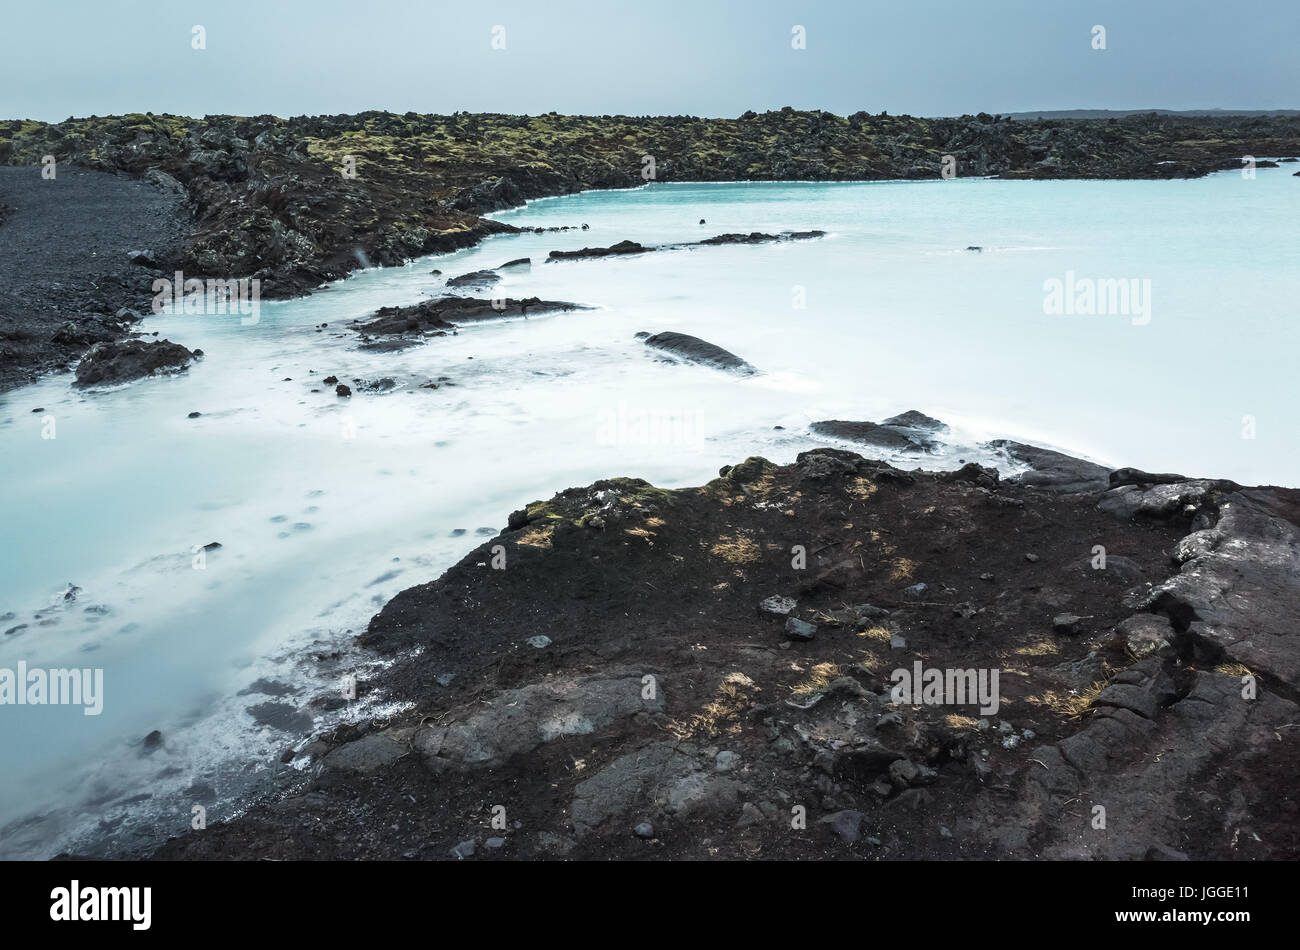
x=700 y=57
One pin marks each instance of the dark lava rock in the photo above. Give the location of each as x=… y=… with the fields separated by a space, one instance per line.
x=912 y=419
x=194 y=415
x=976 y=474
x=1067 y=624
x=695 y=350
x=152 y=742
x=1135 y=476
x=1055 y=471
x=797 y=629
x=846 y=824
x=622 y=247
x=85 y=332
x=343 y=389
x=517 y=262
x=870 y=433
x=474 y=278
x=759 y=237
x=125 y=360
x=434 y=317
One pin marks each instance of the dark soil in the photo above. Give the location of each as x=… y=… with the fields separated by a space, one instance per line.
x=67 y=280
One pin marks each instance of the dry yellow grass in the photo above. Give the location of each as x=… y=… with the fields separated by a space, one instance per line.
x=737 y=549
x=537 y=537
x=1234 y=669
x=818 y=679
x=862 y=488
x=1069 y=704
x=1041 y=648
x=902 y=569
x=722 y=714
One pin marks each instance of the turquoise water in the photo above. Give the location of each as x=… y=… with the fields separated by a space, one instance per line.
x=325 y=508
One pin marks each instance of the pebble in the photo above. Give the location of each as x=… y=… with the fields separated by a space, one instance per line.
x=797 y=629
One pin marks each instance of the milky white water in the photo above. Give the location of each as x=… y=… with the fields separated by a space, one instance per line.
x=327 y=507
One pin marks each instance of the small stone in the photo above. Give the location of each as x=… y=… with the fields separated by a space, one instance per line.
x=902 y=772
x=869 y=611
x=463 y=850
x=897 y=642
x=916 y=590
x=987 y=577
x=777 y=605
x=495 y=843
x=343 y=390
x=726 y=761
x=1066 y=624
x=797 y=629
x=1031 y=558
x=194 y=415
x=847 y=825
x=944 y=832
x=539 y=641
x=1006 y=728
x=644 y=830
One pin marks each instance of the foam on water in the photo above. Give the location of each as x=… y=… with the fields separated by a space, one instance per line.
x=327 y=507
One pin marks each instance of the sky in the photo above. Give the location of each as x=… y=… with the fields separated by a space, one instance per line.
x=667 y=57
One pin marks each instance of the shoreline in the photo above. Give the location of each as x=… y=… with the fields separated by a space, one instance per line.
x=271 y=191
x=771 y=681
x=755 y=660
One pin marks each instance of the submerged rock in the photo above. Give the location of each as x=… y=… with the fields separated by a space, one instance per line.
x=436 y=317
x=476 y=278
x=622 y=247
x=870 y=433
x=695 y=350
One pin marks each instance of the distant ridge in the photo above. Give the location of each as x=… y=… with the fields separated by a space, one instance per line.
x=1121 y=113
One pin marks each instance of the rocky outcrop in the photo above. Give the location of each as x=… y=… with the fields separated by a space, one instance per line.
x=614 y=250
x=1054 y=471
x=911 y=431
x=692 y=349
x=441 y=315
x=109 y=363
x=663 y=689
x=517 y=721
